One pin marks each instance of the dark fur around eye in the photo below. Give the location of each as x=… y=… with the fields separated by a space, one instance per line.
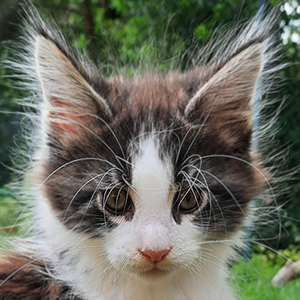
x=85 y=196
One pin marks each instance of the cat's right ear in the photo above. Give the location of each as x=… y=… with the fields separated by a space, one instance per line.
x=70 y=100
x=224 y=103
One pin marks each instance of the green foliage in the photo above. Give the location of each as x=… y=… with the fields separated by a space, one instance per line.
x=8 y=118
x=124 y=32
x=9 y=213
x=252 y=280
x=280 y=257
x=286 y=228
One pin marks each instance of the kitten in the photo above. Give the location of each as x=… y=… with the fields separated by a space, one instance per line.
x=142 y=185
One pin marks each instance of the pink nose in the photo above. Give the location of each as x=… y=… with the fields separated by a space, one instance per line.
x=155 y=256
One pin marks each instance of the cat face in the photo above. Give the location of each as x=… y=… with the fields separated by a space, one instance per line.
x=154 y=166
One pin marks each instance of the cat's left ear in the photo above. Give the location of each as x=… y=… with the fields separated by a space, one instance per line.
x=224 y=102
x=70 y=100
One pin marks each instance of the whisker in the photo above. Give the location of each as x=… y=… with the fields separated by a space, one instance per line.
x=93 y=133
x=203 y=123
x=78 y=191
x=110 y=129
x=94 y=193
x=246 y=162
x=18 y=270
x=227 y=189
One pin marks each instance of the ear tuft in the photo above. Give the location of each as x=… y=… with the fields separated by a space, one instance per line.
x=230 y=89
x=69 y=97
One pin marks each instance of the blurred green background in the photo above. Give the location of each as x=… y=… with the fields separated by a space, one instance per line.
x=116 y=33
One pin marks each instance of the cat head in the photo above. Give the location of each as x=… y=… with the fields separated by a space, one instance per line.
x=157 y=165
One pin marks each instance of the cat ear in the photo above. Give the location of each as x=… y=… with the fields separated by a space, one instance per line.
x=224 y=102
x=69 y=99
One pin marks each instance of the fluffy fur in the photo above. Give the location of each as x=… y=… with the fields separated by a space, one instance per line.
x=163 y=141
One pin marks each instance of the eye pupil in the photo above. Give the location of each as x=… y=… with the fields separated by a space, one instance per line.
x=118 y=202
x=186 y=202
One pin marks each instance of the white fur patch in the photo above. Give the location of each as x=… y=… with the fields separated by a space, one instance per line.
x=152 y=179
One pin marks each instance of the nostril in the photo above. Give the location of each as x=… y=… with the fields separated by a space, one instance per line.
x=155 y=256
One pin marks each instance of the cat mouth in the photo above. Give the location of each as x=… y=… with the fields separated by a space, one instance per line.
x=154 y=272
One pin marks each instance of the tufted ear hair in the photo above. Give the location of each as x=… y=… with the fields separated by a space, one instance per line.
x=70 y=100
x=224 y=103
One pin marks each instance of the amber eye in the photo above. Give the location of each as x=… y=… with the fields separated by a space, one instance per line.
x=117 y=201
x=185 y=201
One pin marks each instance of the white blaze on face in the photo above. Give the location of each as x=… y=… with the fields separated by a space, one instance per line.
x=152 y=179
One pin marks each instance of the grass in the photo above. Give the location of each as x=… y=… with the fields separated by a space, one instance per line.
x=9 y=212
x=252 y=281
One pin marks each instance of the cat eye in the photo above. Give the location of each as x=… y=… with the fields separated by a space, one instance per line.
x=118 y=201
x=185 y=201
